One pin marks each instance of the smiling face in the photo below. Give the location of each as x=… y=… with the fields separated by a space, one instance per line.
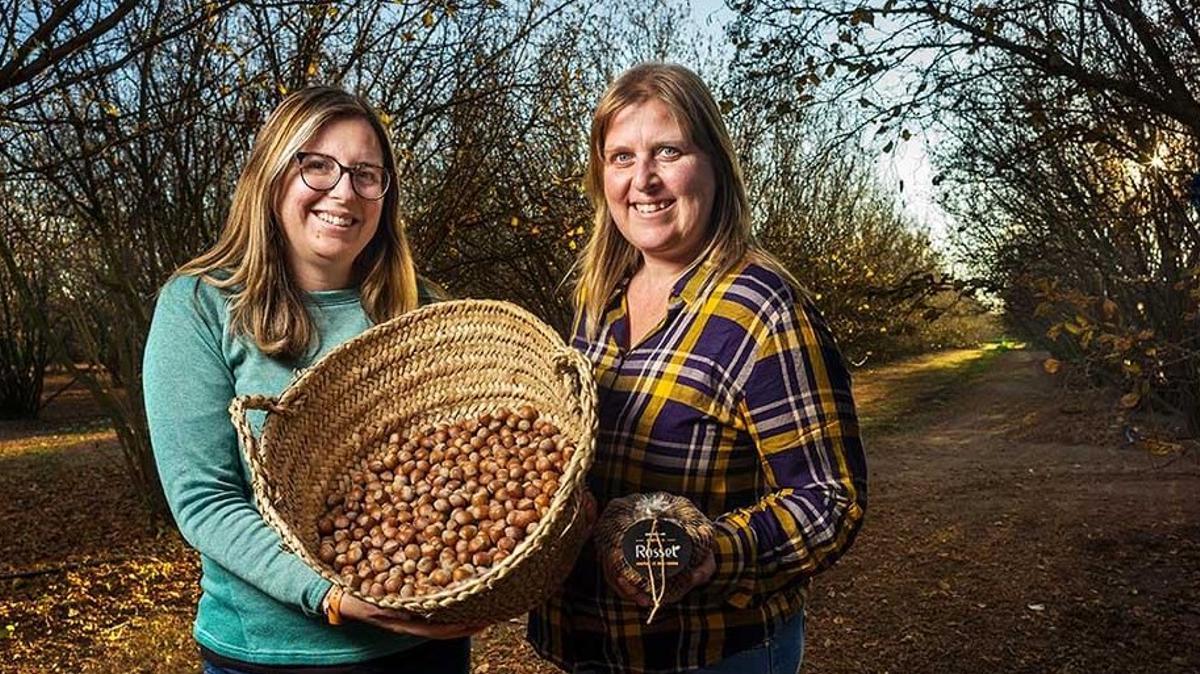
x=326 y=231
x=658 y=185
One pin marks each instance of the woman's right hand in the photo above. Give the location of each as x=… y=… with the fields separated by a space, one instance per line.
x=591 y=511
x=353 y=608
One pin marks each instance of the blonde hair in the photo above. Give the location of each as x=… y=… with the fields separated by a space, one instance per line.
x=248 y=259
x=608 y=257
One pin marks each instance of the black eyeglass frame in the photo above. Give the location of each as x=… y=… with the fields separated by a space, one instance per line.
x=342 y=171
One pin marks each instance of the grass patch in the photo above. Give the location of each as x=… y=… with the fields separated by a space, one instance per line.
x=895 y=394
x=160 y=642
x=57 y=440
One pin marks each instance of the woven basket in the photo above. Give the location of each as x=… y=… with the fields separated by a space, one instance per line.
x=438 y=364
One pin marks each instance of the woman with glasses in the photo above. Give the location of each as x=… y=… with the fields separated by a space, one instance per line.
x=312 y=253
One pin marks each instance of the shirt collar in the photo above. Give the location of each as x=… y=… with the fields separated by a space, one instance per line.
x=692 y=282
x=618 y=291
x=687 y=287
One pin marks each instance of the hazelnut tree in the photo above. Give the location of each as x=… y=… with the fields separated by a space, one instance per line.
x=1070 y=141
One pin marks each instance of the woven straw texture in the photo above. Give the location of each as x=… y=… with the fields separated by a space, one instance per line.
x=439 y=364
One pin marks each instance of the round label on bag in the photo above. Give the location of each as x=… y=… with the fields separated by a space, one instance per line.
x=660 y=544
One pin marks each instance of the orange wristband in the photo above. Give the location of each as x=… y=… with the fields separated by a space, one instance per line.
x=333 y=605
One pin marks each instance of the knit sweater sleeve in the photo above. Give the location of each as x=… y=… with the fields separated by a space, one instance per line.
x=188 y=384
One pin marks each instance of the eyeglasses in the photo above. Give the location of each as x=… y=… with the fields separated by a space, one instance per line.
x=322 y=173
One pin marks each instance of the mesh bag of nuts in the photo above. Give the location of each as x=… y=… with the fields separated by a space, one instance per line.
x=435 y=463
x=653 y=540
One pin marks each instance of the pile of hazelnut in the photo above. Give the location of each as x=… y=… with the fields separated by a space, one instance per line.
x=436 y=506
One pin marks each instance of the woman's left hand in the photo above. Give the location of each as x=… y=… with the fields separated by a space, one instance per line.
x=697 y=577
x=400 y=622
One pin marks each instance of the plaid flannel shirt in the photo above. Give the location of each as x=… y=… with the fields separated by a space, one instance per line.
x=740 y=401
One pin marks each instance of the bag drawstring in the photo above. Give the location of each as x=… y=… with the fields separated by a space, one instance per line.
x=659 y=590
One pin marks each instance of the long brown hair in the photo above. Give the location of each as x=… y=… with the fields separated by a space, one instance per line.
x=608 y=257
x=248 y=259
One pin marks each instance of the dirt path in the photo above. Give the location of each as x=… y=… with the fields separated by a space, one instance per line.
x=995 y=542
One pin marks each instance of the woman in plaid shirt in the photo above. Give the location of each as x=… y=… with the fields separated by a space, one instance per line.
x=718 y=380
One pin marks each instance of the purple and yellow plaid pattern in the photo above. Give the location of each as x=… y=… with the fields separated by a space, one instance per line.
x=741 y=402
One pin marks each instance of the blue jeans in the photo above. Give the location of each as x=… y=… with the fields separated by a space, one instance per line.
x=451 y=656
x=781 y=653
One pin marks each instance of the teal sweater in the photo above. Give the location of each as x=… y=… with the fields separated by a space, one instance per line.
x=258 y=603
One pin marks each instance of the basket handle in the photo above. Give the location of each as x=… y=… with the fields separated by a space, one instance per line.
x=576 y=373
x=253 y=449
x=567 y=364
